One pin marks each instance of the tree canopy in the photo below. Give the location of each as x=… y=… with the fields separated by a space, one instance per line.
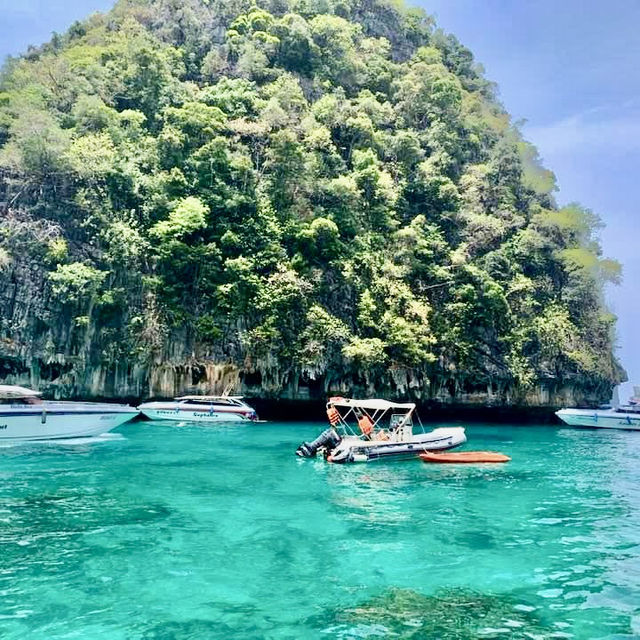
x=320 y=190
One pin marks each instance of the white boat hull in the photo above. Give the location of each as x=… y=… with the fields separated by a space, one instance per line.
x=354 y=449
x=52 y=421
x=600 y=419
x=204 y=409
x=179 y=415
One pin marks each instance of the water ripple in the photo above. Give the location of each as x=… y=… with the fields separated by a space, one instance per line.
x=183 y=533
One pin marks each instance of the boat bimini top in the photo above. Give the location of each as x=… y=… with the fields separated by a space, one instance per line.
x=369 y=415
x=373 y=404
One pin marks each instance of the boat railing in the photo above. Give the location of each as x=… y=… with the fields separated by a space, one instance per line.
x=398 y=428
x=81 y=404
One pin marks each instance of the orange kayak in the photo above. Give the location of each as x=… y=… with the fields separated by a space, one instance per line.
x=464 y=456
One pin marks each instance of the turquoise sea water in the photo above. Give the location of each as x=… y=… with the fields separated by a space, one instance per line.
x=176 y=533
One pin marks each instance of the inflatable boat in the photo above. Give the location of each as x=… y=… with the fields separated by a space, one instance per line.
x=365 y=430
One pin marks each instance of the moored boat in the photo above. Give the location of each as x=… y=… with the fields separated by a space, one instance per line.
x=464 y=457
x=365 y=430
x=209 y=409
x=24 y=415
x=624 y=417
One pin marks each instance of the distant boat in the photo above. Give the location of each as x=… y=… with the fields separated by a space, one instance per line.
x=625 y=417
x=610 y=416
x=633 y=400
x=209 y=409
x=24 y=415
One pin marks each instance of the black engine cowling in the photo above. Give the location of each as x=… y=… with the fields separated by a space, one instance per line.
x=328 y=439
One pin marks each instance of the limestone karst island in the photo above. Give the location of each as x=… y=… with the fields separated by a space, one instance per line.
x=233 y=231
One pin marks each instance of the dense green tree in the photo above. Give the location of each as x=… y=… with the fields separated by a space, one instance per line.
x=310 y=190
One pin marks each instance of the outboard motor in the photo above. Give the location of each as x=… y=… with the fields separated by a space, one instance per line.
x=328 y=439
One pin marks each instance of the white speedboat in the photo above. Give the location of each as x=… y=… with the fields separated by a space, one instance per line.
x=25 y=416
x=624 y=417
x=364 y=430
x=201 y=409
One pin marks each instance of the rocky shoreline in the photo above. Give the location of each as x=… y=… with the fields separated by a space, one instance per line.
x=297 y=396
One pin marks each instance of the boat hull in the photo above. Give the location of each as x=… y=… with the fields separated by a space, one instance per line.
x=357 y=450
x=44 y=422
x=464 y=457
x=156 y=411
x=595 y=419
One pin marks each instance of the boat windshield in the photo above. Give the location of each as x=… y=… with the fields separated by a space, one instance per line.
x=21 y=400
x=400 y=419
x=10 y=394
x=629 y=408
x=211 y=400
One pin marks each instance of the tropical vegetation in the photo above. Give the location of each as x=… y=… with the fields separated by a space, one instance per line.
x=314 y=192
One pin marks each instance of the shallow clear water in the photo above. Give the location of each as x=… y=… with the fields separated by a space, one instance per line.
x=179 y=533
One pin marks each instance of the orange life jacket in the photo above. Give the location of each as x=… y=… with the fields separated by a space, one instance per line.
x=365 y=424
x=333 y=415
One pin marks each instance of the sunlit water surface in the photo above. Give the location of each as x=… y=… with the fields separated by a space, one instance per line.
x=184 y=532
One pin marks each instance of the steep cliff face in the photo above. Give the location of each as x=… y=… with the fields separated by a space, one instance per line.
x=65 y=377
x=291 y=199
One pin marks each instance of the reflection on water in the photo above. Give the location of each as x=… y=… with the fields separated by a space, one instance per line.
x=203 y=532
x=371 y=492
x=63 y=442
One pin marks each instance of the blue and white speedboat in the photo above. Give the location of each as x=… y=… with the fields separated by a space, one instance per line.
x=24 y=415
x=624 y=417
x=209 y=409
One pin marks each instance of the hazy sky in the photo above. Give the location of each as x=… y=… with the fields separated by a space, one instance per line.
x=570 y=68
